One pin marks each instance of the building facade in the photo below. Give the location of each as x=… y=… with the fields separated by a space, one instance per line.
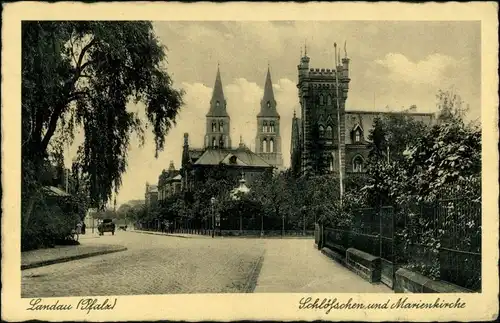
x=169 y=182
x=151 y=195
x=325 y=132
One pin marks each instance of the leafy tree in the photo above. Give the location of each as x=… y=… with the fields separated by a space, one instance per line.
x=84 y=75
x=451 y=108
x=319 y=162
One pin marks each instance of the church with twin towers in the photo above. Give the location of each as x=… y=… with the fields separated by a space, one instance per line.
x=267 y=137
x=218 y=146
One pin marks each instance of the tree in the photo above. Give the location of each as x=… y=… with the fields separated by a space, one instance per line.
x=84 y=75
x=319 y=162
x=451 y=108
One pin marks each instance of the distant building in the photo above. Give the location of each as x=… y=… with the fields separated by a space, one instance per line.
x=169 y=182
x=325 y=128
x=151 y=195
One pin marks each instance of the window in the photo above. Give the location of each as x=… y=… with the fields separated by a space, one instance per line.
x=357 y=136
x=213 y=142
x=329 y=132
x=272 y=127
x=271 y=146
x=329 y=100
x=232 y=160
x=332 y=162
x=217 y=104
x=221 y=126
x=321 y=99
x=321 y=131
x=221 y=142
x=268 y=104
x=357 y=164
x=264 y=126
x=264 y=145
x=214 y=127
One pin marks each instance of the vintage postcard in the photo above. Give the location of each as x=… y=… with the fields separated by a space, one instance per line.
x=249 y=161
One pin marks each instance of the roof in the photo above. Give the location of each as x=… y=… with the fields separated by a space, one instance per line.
x=153 y=189
x=218 y=102
x=265 y=109
x=365 y=120
x=54 y=191
x=244 y=157
x=195 y=153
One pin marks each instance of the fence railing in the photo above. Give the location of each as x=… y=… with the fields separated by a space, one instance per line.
x=441 y=239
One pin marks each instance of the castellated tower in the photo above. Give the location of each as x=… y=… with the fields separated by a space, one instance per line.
x=268 y=139
x=217 y=127
x=322 y=116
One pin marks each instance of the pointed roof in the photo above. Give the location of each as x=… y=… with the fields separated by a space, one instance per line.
x=268 y=110
x=218 y=102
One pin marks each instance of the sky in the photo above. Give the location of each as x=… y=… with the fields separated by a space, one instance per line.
x=393 y=64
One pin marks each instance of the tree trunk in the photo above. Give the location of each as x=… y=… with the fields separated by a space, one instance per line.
x=27 y=213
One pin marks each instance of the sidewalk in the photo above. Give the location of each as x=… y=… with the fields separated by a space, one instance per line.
x=178 y=235
x=297 y=266
x=192 y=235
x=49 y=256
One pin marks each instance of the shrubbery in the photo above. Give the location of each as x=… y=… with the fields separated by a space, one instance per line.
x=50 y=224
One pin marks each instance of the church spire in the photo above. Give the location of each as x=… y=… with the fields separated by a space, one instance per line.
x=268 y=103
x=218 y=102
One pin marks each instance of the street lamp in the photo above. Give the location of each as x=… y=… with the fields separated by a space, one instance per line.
x=212 y=201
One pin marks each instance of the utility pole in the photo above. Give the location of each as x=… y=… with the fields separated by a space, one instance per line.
x=338 y=126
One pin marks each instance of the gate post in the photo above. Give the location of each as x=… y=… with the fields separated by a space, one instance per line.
x=321 y=236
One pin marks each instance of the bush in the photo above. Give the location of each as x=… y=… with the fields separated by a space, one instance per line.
x=50 y=224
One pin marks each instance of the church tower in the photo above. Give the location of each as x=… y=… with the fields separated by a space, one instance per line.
x=217 y=127
x=268 y=139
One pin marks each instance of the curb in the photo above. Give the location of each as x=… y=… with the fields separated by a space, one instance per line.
x=71 y=258
x=161 y=234
x=253 y=278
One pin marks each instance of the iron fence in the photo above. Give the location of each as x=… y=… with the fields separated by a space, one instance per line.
x=440 y=239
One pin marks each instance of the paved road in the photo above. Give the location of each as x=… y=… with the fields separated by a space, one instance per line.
x=156 y=264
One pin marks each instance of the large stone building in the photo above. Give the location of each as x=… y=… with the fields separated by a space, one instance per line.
x=169 y=182
x=325 y=131
x=218 y=149
x=151 y=195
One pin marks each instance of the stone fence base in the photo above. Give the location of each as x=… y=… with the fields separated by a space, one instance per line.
x=408 y=281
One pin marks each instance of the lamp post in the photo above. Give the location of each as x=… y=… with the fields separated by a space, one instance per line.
x=212 y=201
x=282 y=225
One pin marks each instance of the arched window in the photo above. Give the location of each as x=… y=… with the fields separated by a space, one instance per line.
x=221 y=126
x=357 y=164
x=272 y=126
x=321 y=99
x=321 y=131
x=329 y=132
x=213 y=142
x=264 y=146
x=271 y=146
x=329 y=100
x=268 y=104
x=217 y=104
x=264 y=126
x=221 y=142
x=357 y=136
x=214 y=126
x=332 y=162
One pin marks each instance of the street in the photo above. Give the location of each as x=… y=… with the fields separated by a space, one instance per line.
x=156 y=264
